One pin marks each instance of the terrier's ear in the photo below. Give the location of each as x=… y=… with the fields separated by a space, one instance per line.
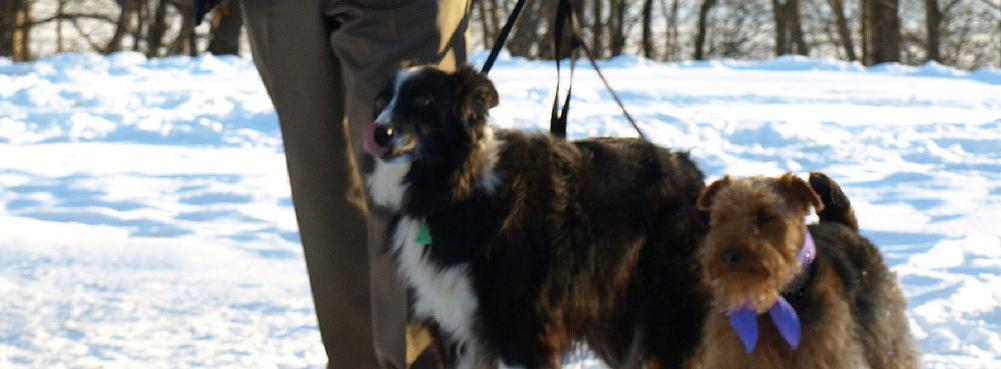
x=705 y=201
x=474 y=94
x=800 y=191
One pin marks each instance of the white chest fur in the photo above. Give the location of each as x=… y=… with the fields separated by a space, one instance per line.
x=443 y=293
x=385 y=183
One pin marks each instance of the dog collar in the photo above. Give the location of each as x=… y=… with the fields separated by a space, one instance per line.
x=745 y=321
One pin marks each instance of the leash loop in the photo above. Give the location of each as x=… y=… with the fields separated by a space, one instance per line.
x=566 y=18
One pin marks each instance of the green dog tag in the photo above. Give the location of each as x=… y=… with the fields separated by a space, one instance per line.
x=423 y=235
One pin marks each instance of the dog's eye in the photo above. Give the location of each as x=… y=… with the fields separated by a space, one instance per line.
x=381 y=103
x=762 y=217
x=422 y=101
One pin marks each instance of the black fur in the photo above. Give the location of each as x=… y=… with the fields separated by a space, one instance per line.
x=582 y=241
x=867 y=284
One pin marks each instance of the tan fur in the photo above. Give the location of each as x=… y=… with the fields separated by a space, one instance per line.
x=768 y=244
x=833 y=347
x=769 y=248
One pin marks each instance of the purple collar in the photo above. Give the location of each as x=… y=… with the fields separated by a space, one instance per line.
x=745 y=322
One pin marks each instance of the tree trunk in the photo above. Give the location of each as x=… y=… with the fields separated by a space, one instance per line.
x=880 y=31
x=60 y=9
x=8 y=26
x=494 y=17
x=124 y=23
x=933 y=22
x=700 y=36
x=544 y=42
x=597 y=29
x=781 y=27
x=526 y=33
x=617 y=27
x=795 y=25
x=844 y=33
x=671 y=39
x=185 y=42
x=227 y=23
x=22 y=38
x=479 y=7
x=154 y=38
x=142 y=11
x=788 y=28
x=15 y=29
x=647 y=30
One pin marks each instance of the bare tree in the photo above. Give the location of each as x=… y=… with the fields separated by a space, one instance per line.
x=788 y=28
x=142 y=12
x=673 y=49
x=154 y=37
x=495 y=19
x=24 y=32
x=60 y=10
x=125 y=17
x=647 y=41
x=526 y=34
x=700 y=37
x=880 y=31
x=934 y=17
x=844 y=33
x=186 y=41
x=597 y=42
x=8 y=26
x=617 y=27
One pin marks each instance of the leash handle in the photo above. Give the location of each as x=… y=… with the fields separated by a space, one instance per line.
x=558 y=123
x=564 y=18
x=502 y=37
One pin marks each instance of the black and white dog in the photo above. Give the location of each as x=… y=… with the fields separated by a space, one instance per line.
x=519 y=245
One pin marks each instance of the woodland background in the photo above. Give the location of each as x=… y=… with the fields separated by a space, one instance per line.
x=961 y=33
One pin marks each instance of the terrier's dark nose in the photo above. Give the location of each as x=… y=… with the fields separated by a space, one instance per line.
x=731 y=257
x=383 y=134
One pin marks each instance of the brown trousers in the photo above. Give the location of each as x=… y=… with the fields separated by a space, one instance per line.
x=323 y=62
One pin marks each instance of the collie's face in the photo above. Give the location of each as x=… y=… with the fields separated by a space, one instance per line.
x=423 y=113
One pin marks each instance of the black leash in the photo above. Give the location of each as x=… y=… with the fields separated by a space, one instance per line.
x=502 y=37
x=566 y=18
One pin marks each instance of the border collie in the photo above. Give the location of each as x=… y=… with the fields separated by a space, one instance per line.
x=518 y=246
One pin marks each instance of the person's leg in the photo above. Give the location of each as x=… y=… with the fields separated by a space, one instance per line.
x=373 y=38
x=291 y=47
x=304 y=80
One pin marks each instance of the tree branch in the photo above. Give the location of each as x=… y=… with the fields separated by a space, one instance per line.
x=72 y=17
x=85 y=35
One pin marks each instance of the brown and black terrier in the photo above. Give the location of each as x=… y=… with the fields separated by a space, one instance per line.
x=791 y=295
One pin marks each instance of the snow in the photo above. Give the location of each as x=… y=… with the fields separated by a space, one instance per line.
x=145 y=216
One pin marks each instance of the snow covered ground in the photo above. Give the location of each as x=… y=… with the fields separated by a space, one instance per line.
x=145 y=218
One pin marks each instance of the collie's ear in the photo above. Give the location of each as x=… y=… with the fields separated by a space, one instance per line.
x=474 y=94
x=705 y=201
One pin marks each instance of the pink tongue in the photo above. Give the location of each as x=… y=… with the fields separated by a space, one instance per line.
x=370 y=145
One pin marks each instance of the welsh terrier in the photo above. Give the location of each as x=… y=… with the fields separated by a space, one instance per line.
x=831 y=301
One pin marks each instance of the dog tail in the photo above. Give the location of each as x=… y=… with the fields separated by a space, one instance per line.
x=837 y=208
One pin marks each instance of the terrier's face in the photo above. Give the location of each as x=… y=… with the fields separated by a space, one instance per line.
x=756 y=229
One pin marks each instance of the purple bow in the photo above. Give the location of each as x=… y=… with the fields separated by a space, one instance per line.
x=745 y=321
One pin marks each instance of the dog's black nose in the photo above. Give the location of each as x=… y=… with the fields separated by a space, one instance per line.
x=383 y=134
x=731 y=257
